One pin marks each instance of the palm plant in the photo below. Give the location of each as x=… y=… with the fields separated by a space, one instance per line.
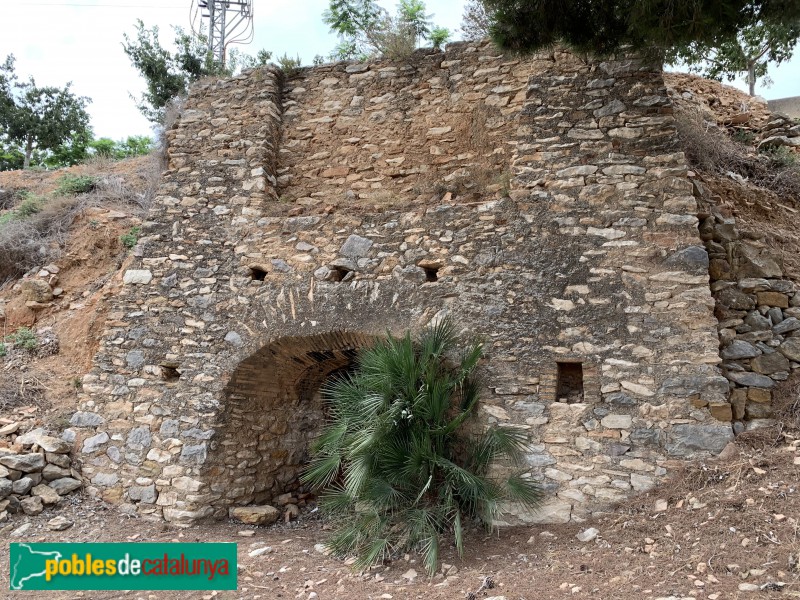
x=395 y=465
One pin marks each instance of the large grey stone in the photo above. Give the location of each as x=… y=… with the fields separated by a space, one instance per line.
x=739 y=349
x=139 y=438
x=733 y=298
x=65 y=485
x=689 y=386
x=767 y=364
x=137 y=276
x=790 y=348
x=142 y=493
x=94 y=443
x=22 y=486
x=747 y=379
x=757 y=321
x=86 y=419
x=6 y=487
x=787 y=325
x=48 y=443
x=686 y=439
x=552 y=512
x=27 y=463
x=194 y=454
x=757 y=262
x=135 y=359
x=234 y=339
x=694 y=258
x=356 y=246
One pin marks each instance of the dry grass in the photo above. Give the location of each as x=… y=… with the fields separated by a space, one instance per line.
x=32 y=240
x=19 y=389
x=709 y=148
x=28 y=242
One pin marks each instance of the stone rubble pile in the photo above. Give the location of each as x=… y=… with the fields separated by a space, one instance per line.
x=35 y=471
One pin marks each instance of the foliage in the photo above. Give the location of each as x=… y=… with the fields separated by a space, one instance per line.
x=439 y=36
x=366 y=30
x=475 y=20
x=3 y=350
x=602 y=27
x=69 y=185
x=73 y=151
x=780 y=157
x=130 y=239
x=23 y=338
x=134 y=145
x=290 y=66
x=748 y=52
x=395 y=465
x=168 y=74
x=30 y=205
x=34 y=118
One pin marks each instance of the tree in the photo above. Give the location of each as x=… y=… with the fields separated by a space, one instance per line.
x=475 y=20
x=749 y=52
x=37 y=118
x=603 y=27
x=394 y=461
x=168 y=74
x=366 y=30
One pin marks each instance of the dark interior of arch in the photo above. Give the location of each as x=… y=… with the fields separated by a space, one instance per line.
x=273 y=409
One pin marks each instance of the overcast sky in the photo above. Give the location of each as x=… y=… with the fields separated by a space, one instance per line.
x=80 y=41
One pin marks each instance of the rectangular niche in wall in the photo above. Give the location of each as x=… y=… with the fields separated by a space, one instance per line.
x=569 y=382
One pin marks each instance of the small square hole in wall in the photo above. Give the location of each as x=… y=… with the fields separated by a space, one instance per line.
x=431 y=273
x=341 y=274
x=569 y=382
x=257 y=274
x=169 y=372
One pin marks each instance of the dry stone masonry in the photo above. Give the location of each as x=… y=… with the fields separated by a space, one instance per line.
x=35 y=471
x=758 y=312
x=541 y=201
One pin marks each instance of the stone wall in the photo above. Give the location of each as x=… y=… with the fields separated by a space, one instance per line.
x=542 y=202
x=758 y=312
x=35 y=470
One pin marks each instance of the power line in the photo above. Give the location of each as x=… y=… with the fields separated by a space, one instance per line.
x=99 y=5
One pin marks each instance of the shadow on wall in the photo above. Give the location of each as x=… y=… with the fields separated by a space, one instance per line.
x=273 y=410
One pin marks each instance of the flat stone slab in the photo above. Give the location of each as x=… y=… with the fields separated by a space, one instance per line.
x=27 y=463
x=255 y=515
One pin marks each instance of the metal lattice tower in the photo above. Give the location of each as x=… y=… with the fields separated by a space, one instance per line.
x=229 y=22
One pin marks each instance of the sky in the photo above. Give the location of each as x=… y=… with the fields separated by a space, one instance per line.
x=58 y=41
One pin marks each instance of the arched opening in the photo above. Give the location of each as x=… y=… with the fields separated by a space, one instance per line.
x=273 y=409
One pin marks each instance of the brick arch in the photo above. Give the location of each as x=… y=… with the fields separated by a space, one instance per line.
x=271 y=411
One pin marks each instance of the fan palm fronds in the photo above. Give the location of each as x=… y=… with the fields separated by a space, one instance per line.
x=396 y=468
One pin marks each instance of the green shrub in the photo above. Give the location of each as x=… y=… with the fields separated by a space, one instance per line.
x=396 y=468
x=23 y=338
x=129 y=239
x=69 y=185
x=780 y=157
x=3 y=350
x=744 y=136
x=290 y=66
x=30 y=205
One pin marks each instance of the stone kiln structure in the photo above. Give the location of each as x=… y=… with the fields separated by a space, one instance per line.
x=542 y=201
